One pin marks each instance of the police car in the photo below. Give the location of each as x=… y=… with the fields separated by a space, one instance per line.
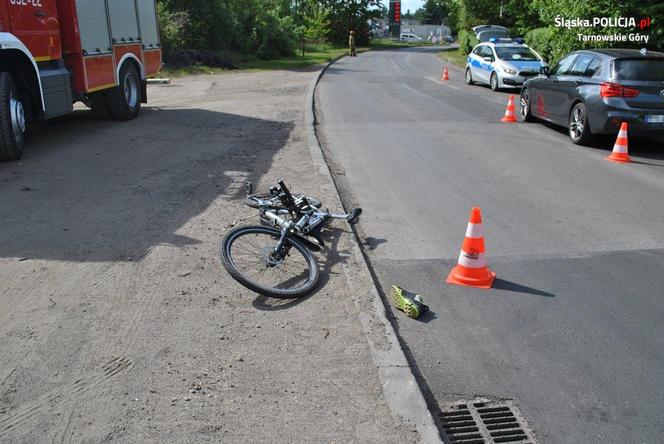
x=502 y=63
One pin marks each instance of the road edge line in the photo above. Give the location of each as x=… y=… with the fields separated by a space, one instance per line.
x=400 y=388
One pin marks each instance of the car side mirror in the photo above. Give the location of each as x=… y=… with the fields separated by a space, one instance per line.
x=544 y=70
x=488 y=59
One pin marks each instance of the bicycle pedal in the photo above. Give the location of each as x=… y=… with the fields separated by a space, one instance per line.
x=319 y=240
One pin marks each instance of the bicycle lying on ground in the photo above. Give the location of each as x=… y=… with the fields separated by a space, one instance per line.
x=275 y=259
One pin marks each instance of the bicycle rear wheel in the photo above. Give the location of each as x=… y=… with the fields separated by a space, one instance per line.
x=247 y=255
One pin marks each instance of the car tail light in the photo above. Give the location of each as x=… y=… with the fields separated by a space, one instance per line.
x=610 y=89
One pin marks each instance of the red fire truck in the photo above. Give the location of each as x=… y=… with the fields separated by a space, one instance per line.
x=54 y=53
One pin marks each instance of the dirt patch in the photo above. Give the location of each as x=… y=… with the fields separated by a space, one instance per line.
x=117 y=321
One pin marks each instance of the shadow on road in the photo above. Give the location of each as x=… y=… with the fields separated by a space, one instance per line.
x=639 y=146
x=645 y=147
x=371 y=243
x=336 y=70
x=427 y=317
x=502 y=284
x=89 y=190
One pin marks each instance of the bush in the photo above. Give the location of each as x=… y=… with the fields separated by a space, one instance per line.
x=467 y=41
x=196 y=31
x=541 y=40
x=554 y=43
x=172 y=28
x=275 y=36
x=198 y=57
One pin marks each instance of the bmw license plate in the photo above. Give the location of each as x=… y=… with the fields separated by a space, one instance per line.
x=655 y=118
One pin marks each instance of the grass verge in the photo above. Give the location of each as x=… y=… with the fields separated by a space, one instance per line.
x=452 y=55
x=391 y=44
x=314 y=54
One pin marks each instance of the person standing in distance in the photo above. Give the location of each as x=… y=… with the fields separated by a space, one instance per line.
x=351 y=44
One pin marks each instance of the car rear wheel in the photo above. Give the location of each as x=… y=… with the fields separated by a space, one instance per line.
x=525 y=113
x=494 y=81
x=469 y=77
x=579 y=130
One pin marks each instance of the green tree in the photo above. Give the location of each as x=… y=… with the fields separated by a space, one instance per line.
x=312 y=16
x=417 y=15
x=452 y=7
x=265 y=27
x=566 y=40
x=200 y=30
x=434 y=12
x=347 y=15
x=316 y=22
x=535 y=19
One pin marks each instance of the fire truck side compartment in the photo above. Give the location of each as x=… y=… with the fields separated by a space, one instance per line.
x=93 y=27
x=147 y=16
x=124 y=23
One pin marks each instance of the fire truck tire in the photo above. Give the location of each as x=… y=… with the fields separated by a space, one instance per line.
x=99 y=105
x=124 y=101
x=12 y=119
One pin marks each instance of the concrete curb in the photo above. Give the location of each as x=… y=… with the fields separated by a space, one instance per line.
x=401 y=391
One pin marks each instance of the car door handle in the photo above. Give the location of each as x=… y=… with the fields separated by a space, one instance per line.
x=578 y=82
x=555 y=80
x=40 y=14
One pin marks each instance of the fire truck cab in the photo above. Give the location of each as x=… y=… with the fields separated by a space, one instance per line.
x=54 y=53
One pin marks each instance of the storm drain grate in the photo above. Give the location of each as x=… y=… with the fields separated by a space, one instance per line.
x=484 y=422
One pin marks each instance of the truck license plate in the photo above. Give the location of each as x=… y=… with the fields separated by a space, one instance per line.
x=655 y=118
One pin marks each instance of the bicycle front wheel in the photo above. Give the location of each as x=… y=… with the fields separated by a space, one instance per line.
x=247 y=253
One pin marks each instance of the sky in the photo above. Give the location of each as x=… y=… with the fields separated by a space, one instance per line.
x=410 y=4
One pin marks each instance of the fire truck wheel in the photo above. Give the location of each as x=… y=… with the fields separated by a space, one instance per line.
x=12 y=119
x=99 y=105
x=124 y=101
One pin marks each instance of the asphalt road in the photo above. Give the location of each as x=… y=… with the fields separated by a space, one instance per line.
x=573 y=329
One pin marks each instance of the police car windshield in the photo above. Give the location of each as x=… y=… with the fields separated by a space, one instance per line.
x=516 y=54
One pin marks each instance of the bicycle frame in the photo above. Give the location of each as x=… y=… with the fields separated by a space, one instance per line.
x=310 y=222
x=305 y=225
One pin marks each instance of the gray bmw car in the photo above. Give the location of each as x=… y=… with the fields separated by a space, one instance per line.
x=593 y=91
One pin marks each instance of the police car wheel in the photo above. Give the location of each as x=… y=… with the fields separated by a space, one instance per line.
x=494 y=81
x=469 y=77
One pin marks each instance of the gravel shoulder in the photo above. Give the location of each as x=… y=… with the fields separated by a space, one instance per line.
x=117 y=321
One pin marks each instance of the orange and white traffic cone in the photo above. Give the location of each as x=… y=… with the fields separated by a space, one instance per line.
x=472 y=269
x=509 y=112
x=619 y=153
x=446 y=76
